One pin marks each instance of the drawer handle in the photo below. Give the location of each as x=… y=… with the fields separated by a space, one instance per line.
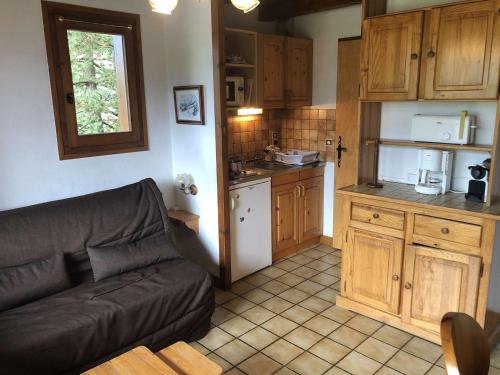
x=376 y=216
x=408 y=286
x=431 y=54
x=395 y=278
x=445 y=230
x=414 y=56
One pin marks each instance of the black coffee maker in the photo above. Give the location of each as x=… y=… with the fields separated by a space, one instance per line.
x=478 y=185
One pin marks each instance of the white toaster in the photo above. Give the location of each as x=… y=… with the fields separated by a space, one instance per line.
x=443 y=129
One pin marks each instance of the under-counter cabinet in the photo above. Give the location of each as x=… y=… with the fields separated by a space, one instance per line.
x=448 y=52
x=285 y=71
x=297 y=216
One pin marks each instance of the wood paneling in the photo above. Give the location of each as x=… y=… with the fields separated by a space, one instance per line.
x=437 y=282
x=299 y=67
x=373 y=269
x=280 y=10
x=271 y=71
x=461 y=51
x=390 y=57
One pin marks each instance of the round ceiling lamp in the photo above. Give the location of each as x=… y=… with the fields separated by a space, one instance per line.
x=163 y=6
x=246 y=5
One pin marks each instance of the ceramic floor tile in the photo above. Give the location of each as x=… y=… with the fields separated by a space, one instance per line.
x=285 y=371
x=331 y=259
x=392 y=336
x=377 y=350
x=314 y=253
x=324 y=279
x=215 y=338
x=363 y=324
x=294 y=295
x=257 y=295
x=272 y=272
x=347 y=337
x=302 y=337
x=440 y=362
x=234 y=371
x=409 y=364
x=259 y=338
x=423 y=349
x=318 y=265
x=221 y=315
x=305 y=272
x=336 y=371
x=301 y=259
x=308 y=364
x=287 y=265
x=241 y=287
x=315 y=304
x=321 y=325
x=235 y=352
x=387 y=371
x=259 y=364
x=328 y=294
x=277 y=305
x=275 y=287
x=282 y=351
x=326 y=249
x=494 y=371
x=436 y=370
x=290 y=279
x=298 y=314
x=495 y=358
x=330 y=350
x=257 y=279
x=338 y=314
x=223 y=297
x=237 y=326
x=334 y=271
x=258 y=315
x=279 y=326
x=199 y=348
x=220 y=361
x=358 y=364
x=238 y=305
x=309 y=287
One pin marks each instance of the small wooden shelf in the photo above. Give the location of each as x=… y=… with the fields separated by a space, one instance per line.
x=241 y=66
x=191 y=220
x=441 y=146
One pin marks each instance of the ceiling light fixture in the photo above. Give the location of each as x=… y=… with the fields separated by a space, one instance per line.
x=246 y=5
x=163 y=6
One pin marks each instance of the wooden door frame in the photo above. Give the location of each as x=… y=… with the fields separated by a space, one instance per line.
x=218 y=51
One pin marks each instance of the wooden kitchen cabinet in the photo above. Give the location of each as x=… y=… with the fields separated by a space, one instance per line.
x=297 y=216
x=372 y=266
x=271 y=71
x=299 y=61
x=390 y=57
x=461 y=51
x=437 y=282
x=285 y=71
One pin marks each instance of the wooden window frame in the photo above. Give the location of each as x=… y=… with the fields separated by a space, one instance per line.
x=58 y=18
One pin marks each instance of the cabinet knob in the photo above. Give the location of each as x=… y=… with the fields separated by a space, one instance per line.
x=431 y=54
x=408 y=286
x=445 y=230
x=414 y=56
x=395 y=278
x=376 y=216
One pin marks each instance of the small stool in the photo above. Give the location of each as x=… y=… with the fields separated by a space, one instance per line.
x=187 y=361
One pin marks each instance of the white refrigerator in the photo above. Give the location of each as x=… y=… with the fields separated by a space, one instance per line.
x=251 y=241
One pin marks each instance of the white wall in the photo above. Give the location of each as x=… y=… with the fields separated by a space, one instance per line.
x=325 y=28
x=328 y=200
x=30 y=169
x=189 y=62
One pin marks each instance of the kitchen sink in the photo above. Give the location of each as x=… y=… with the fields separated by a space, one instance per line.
x=271 y=166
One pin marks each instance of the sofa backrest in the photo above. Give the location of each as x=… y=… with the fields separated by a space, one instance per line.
x=111 y=217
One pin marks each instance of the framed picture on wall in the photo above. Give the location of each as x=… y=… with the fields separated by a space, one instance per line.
x=189 y=106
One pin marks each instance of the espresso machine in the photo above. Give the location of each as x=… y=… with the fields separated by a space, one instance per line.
x=434 y=174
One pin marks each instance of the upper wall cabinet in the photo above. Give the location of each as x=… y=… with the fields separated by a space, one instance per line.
x=461 y=49
x=460 y=57
x=284 y=71
x=299 y=60
x=391 y=56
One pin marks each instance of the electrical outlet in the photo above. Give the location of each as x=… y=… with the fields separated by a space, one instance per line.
x=329 y=142
x=275 y=135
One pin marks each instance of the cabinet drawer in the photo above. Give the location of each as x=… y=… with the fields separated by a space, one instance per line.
x=285 y=178
x=379 y=216
x=448 y=230
x=312 y=172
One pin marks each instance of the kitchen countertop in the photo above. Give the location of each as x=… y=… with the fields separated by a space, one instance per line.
x=265 y=173
x=406 y=194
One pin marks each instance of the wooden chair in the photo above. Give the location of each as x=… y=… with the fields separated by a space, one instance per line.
x=465 y=345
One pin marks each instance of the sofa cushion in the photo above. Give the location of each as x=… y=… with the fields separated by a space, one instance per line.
x=29 y=282
x=81 y=325
x=113 y=260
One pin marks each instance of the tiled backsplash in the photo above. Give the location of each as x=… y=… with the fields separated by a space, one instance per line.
x=303 y=129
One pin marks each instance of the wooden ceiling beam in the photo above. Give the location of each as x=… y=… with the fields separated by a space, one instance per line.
x=281 y=10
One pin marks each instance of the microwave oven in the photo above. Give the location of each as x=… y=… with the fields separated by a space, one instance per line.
x=443 y=129
x=235 y=91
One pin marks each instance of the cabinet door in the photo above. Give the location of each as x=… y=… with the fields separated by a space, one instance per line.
x=373 y=269
x=299 y=61
x=311 y=208
x=437 y=282
x=461 y=52
x=271 y=77
x=390 y=57
x=285 y=217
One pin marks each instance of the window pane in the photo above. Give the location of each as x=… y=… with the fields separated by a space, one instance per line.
x=99 y=82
